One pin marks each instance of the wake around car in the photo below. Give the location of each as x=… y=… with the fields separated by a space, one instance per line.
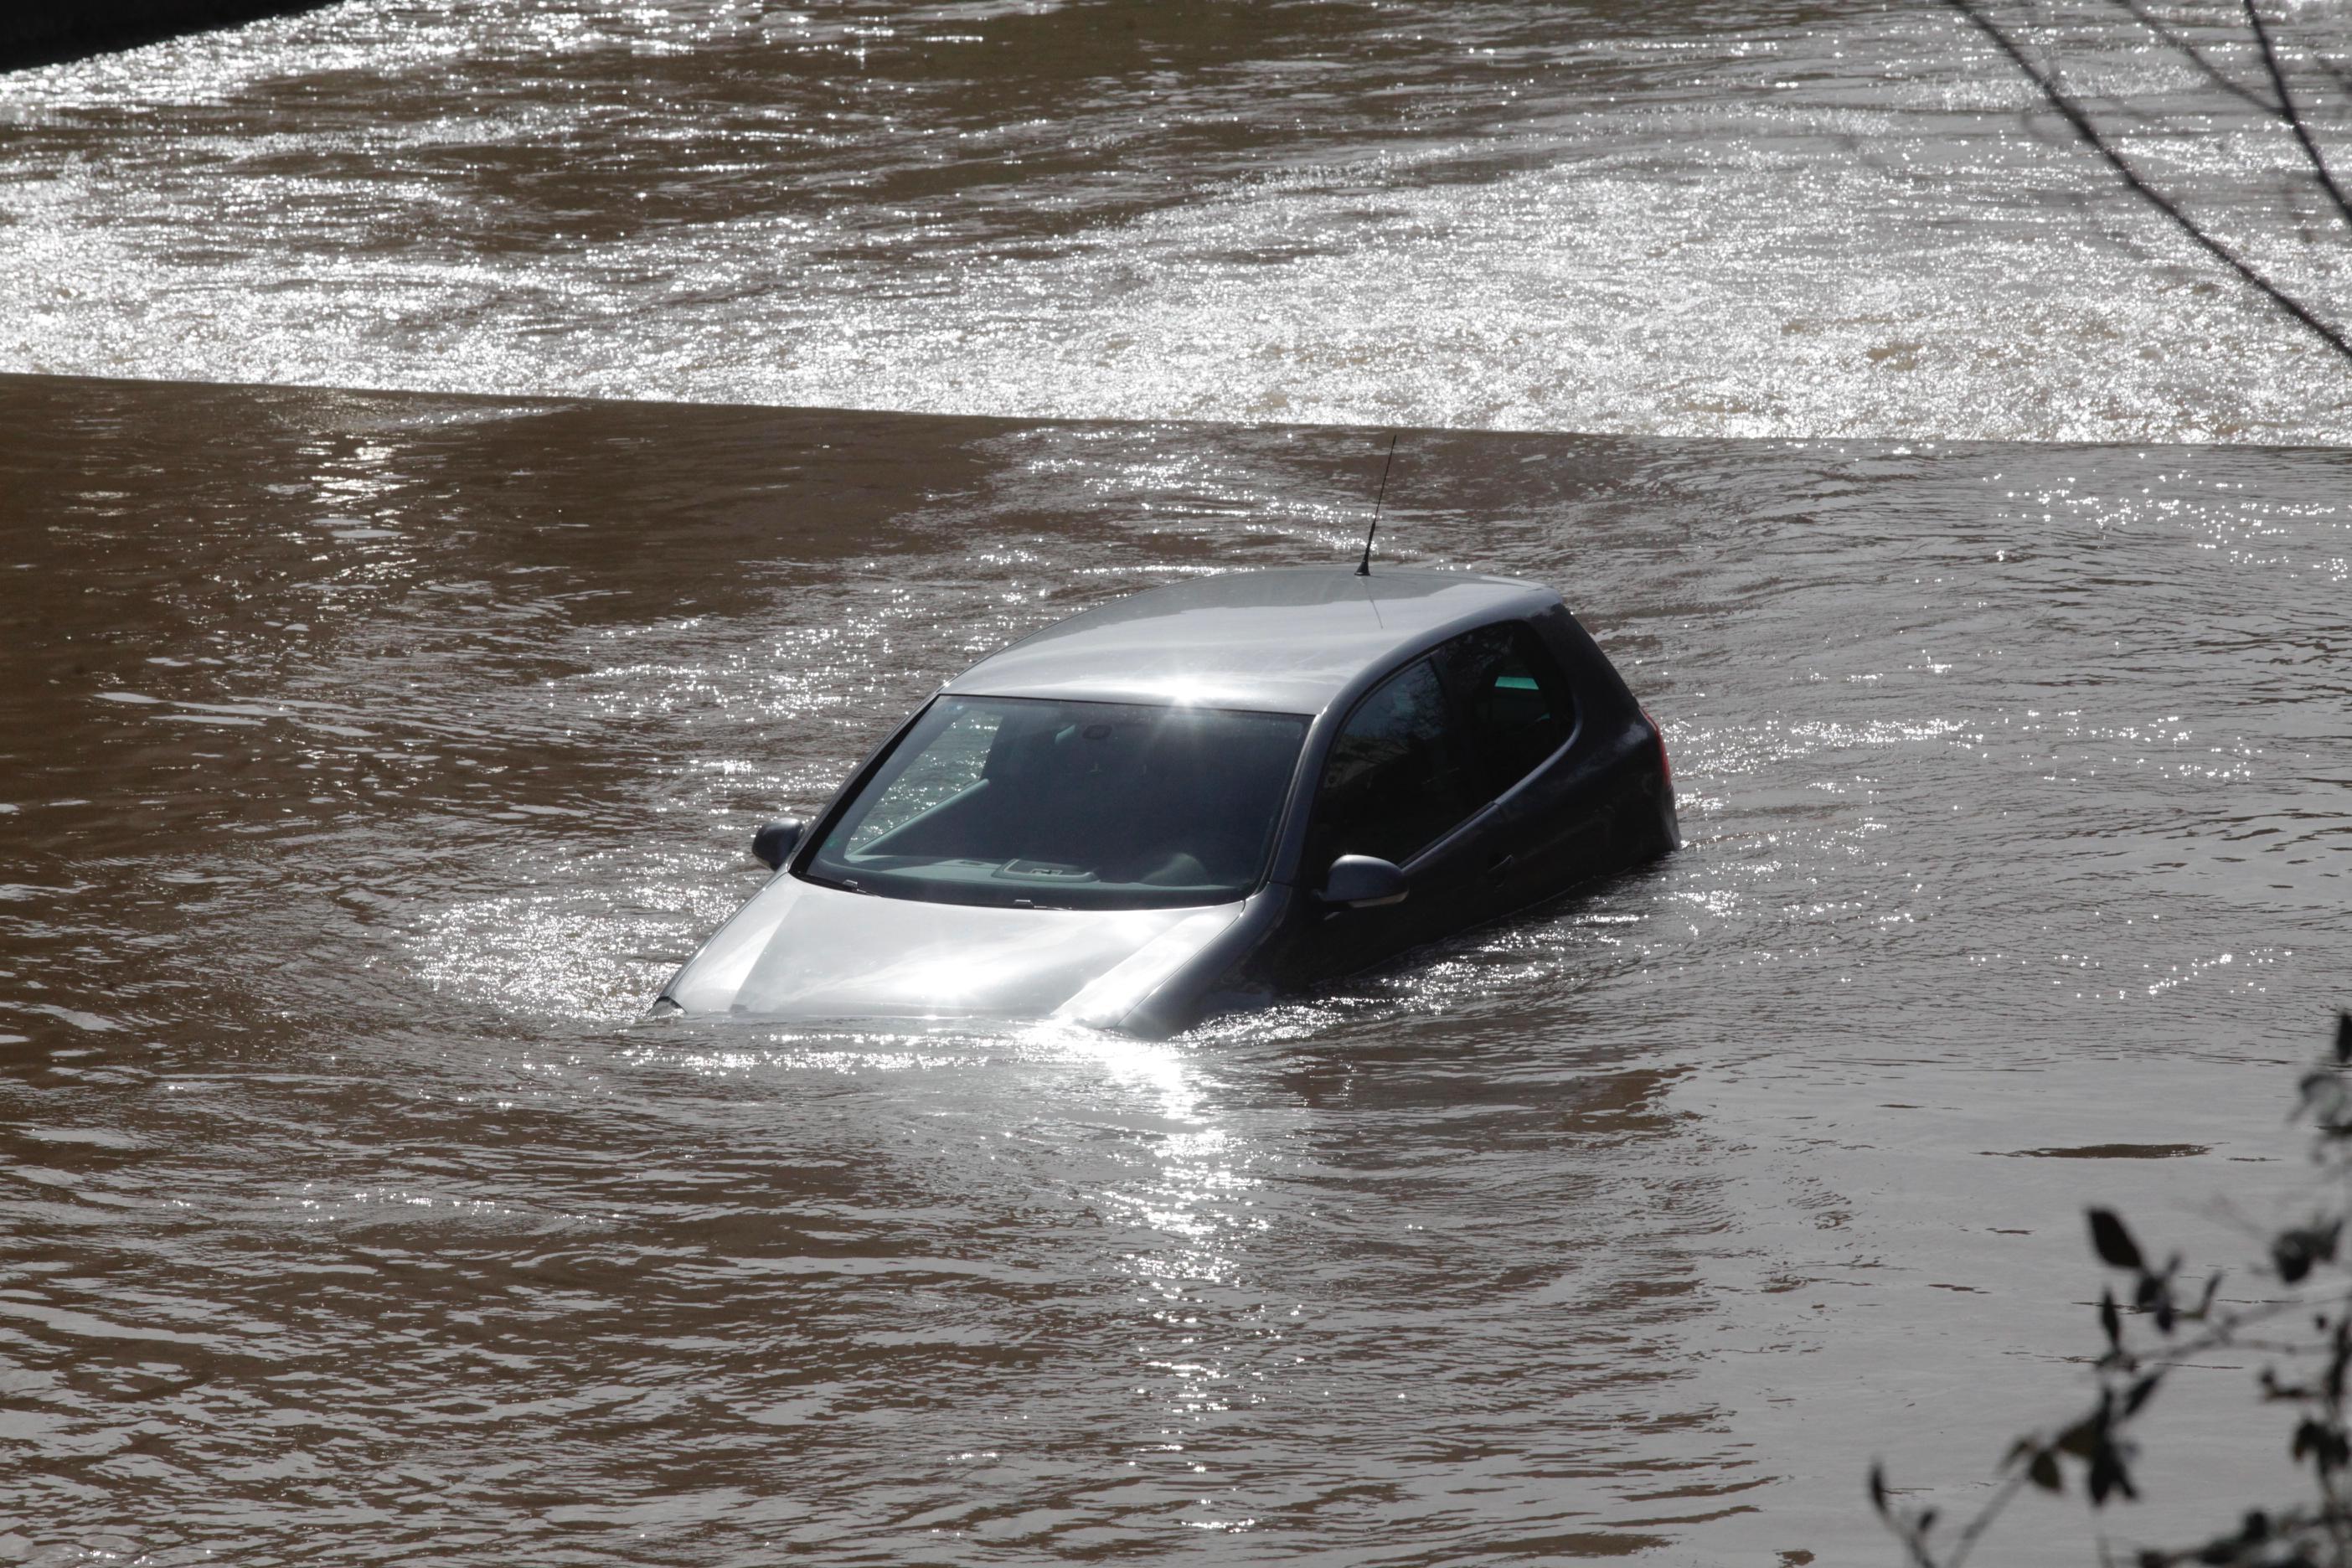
x=1200 y=798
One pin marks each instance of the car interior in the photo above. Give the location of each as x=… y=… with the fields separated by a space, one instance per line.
x=1033 y=796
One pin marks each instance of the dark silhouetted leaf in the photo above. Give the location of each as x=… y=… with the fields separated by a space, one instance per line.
x=2322 y=1093
x=2301 y=1537
x=2306 y=1438
x=2274 y=1389
x=2294 y=1253
x=2108 y=1476
x=2116 y=1247
x=2328 y=1448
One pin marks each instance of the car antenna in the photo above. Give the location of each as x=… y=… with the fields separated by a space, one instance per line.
x=1364 y=567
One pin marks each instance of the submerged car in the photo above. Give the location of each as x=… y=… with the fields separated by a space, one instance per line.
x=1201 y=798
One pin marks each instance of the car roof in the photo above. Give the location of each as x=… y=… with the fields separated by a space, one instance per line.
x=1290 y=640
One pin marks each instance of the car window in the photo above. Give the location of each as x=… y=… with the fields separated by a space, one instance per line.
x=951 y=762
x=1397 y=778
x=1015 y=801
x=1515 y=703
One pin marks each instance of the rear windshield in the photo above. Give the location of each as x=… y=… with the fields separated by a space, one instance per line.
x=1019 y=801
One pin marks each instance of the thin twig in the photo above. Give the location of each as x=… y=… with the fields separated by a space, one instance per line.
x=2189 y=51
x=1976 y=1527
x=2071 y=112
x=2287 y=1525
x=2332 y=71
x=2293 y=116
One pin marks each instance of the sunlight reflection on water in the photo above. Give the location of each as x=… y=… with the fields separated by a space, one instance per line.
x=1740 y=220
x=371 y=761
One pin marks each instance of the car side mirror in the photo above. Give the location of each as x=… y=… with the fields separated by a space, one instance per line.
x=773 y=844
x=1364 y=882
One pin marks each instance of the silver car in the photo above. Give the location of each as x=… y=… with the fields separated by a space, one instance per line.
x=1199 y=798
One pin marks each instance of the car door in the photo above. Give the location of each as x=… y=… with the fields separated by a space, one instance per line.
x=1399 y=783
x=1518 y=714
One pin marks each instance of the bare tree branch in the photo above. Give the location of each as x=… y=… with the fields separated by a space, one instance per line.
x=2293 y=116
x=2072 y=113
x=1974 y=1530
x=2332 y=71
x=2180 y=45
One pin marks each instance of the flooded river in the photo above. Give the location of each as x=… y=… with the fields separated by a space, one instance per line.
x=1750 y=218
x=368 y=759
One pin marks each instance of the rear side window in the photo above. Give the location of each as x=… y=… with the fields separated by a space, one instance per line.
x=1515 y=704
x=1397 y=775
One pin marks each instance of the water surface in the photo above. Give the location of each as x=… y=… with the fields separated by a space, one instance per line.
x=1722 y=219
x=370 y=758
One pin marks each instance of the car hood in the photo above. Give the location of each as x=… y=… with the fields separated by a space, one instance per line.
x=802 y=951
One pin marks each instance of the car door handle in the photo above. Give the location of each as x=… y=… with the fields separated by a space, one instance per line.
x=1497 y=862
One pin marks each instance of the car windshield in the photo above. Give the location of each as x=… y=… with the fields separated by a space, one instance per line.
x=1018 y=802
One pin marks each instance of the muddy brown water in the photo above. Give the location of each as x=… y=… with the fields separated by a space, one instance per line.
x=368 y=758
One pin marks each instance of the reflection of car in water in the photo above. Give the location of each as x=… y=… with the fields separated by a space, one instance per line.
x=1200 y=797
